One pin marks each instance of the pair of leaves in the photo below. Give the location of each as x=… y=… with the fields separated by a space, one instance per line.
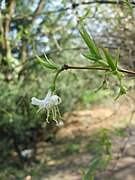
x=48 y=63
x=95 y=162
x=95 y=54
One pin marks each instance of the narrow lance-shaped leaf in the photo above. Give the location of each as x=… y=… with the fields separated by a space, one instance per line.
x=93 y=167
x=88 y=40
x=43 y=62
x=106 y=161
x=46 y=64
x=117 y=58
x=94 y=49
x=98 y=53
x=108 y=58
x=128 y=4
x=86 y=15
x=82 y=172
x=103 y=63
x=90 y=56
x=51 y=62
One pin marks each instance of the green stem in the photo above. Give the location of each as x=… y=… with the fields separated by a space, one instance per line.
x=55 y=78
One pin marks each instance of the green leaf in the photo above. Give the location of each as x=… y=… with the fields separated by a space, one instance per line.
x=93 y=167
x=51 y=62
x=46 y=64
x=90 y=56
x=128 y=3
x=117 y=58
x=120 y=132
x=43 y=62
x=91 y=178
x=86 y=15
x=103 y=63
x=108 y=58
x=106 y=162
x=96 y=10
x=98 y=53
x=82 y=171
x=92 y=47
x=107 y=147
x=88 y=41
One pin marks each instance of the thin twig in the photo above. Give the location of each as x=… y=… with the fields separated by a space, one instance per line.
x=66 y=67
x=74 y=5
x=38 y=10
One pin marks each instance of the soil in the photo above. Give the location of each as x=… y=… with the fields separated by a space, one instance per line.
x=70 y=150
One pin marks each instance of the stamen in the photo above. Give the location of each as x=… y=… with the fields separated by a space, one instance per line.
x=59 y=115
x=54 y=114
x=48 y=114
x=55 y=111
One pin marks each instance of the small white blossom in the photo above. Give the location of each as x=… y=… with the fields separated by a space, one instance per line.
x=26 y=153
x=49 y=103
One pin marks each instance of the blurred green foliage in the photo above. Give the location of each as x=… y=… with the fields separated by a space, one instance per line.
x=73 y=148
x=101 y=147
x=90 y=97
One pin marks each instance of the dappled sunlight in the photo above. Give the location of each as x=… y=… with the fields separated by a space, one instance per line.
x=71 y=149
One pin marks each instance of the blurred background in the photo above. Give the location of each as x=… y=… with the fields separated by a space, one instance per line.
x=29 y=147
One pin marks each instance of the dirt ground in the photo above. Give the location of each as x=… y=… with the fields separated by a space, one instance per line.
x=69 y=152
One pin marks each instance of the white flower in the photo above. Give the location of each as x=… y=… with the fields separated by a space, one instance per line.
x=50 y=103
x=26 y=153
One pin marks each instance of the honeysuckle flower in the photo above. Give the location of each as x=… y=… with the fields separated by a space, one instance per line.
x=50 y=104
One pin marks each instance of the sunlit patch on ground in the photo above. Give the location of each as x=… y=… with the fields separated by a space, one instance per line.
x=70 y=150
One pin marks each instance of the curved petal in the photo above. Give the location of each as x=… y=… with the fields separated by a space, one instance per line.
x=55 y=99
x=36 y=101
x=48 y=96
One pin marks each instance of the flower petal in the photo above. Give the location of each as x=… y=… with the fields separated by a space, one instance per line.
x=48 y=96
x=55 y=99
x=37 y=102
